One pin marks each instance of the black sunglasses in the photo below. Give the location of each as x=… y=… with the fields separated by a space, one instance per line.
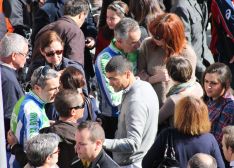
x=52 y=53
x=78 y=107
x=43 y=72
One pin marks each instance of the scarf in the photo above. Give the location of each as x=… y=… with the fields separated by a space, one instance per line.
x=179 y=88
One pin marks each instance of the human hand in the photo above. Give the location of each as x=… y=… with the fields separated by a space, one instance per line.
x=11 y=138
x=89 y=42
x=160 y=76
x=41 y=3
x=143 y=75
x=51 y=122
x=99 y=120
x=231 y=60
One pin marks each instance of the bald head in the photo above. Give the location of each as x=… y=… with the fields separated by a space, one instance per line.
x=202 y=160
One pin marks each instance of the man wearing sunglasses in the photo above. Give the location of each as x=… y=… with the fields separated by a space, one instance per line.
x=28 y=115
x=13 y=53
x=70 y=106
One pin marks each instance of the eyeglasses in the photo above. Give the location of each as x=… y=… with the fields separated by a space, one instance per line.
x=78 y=107
x=24 y=54
x=43 y=72
x=52 y=53
x=157 y=38
x=57 y=151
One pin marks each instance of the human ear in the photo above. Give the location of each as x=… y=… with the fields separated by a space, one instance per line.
x=98 y=144
x=13 y=56
x=128 y=73
x=37 y=88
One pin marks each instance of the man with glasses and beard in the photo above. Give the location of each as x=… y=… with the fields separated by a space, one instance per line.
x=28 y=115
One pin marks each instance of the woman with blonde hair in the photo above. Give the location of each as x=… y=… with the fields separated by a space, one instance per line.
x=190 y=135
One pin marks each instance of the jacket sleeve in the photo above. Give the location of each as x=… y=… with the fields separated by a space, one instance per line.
x=217 y=154
x=142 y=62
x=135 y=123
x=20 y=155
x=166 y=111
x=184 y=16
x=112 y=97
x=155 y=154
x=89 y=27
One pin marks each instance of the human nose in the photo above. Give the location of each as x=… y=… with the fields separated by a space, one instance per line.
x=111 y=82
x=137 y=45
x=209 y=85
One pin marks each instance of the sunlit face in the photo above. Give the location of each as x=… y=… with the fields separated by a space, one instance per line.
x=226 y=151
x=53 y=53
x=48 y=93
x=112 y=19
x=158 y=42
x=118 y=81
x=213 y=86
x=132 y=43
x=54 y=157
x=20 y=58
x=85 y=148
x=83 y=16
x=79 y=111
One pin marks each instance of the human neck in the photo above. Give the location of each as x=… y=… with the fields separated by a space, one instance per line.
x=75 y=20
x=118 y=45
x=232 y=157
x=132 y=79
x=97 y=152
x=8 y=63
x=68 y=119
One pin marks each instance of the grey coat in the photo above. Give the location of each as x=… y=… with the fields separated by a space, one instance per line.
x=137 y=124
x=195 y=23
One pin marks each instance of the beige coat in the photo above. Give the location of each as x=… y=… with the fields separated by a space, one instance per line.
x=151 y=58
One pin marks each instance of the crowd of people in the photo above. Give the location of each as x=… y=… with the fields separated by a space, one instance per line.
x=111 y=83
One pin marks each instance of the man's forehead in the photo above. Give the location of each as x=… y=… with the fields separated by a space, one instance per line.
x=52 y=82
x=83 y=133
x=134 y=35
x=112 y=74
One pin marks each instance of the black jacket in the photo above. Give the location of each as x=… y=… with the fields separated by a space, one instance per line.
x=101 y=161
x=66 y=132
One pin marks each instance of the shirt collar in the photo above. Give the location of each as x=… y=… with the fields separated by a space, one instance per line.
x=7 y=65
x=130 y=86
x=36 y=98
x=114 y=48
x=232 y=163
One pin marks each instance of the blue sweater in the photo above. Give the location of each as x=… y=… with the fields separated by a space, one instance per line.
x=185 y=147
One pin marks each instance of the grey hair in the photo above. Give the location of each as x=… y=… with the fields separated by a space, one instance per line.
x=39 y=147
x=39 y=79
x=125 y=26
x=202 y=160
x=12 y=43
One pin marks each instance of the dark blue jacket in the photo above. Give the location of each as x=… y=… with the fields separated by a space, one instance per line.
x=185 y=147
